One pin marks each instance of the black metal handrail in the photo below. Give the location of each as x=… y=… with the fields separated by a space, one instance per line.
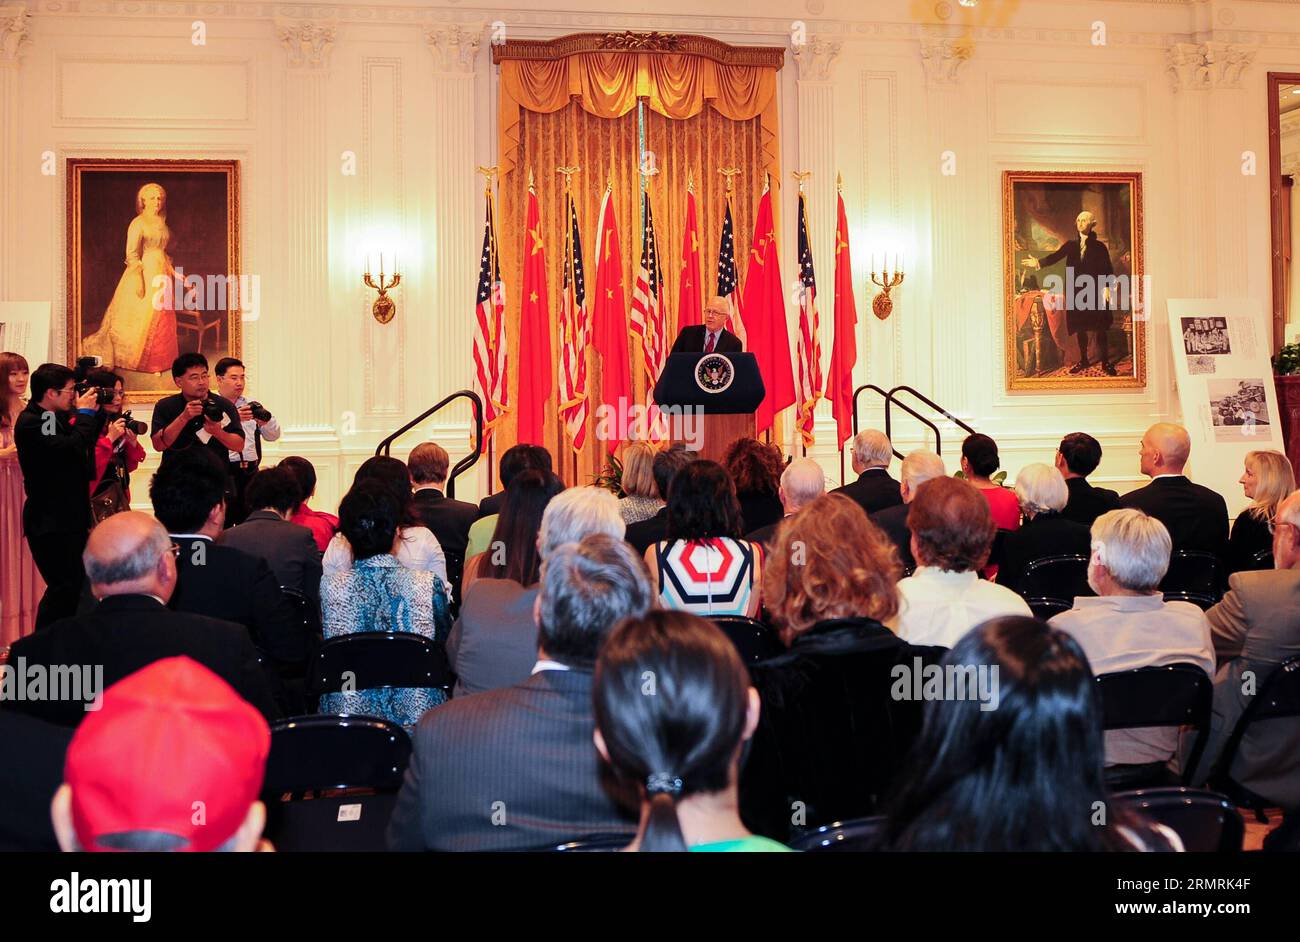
x=884 y=395
x=891 y=400
x=893 y=394
x=464 y=464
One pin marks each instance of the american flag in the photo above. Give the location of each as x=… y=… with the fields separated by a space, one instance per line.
x=727 y=280
x=575 y=334
x=647 y=308
x=810 y=351
x=490 y=358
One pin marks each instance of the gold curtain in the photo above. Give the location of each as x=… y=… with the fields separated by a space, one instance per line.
x=570 y=136
x=582 y=111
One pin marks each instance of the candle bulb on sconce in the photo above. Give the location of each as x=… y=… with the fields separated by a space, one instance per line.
x=882 y=305
x=383 y=309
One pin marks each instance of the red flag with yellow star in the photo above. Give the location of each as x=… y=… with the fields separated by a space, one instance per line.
x=768 y=335
x=689 y=306
x=536 y=373
x=609 y=317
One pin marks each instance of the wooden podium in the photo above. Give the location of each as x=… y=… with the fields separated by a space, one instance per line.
x=709 y=399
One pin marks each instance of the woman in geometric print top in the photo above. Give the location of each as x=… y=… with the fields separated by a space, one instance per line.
x=377 y=593
x=703 y=566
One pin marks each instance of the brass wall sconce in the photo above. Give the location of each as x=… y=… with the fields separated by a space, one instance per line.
x=383 y=308
x=882 y=305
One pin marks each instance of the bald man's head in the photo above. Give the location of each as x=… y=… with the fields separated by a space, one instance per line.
x=1165 y=449
x=130 y=553
x=802 y=482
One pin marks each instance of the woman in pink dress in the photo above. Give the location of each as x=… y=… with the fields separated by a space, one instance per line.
x=979 y=460
x=21 y=586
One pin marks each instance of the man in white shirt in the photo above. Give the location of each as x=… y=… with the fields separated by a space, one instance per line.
x=952 y=534
x=231 y=379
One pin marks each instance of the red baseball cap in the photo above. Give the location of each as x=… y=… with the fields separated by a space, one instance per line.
x=173 y=750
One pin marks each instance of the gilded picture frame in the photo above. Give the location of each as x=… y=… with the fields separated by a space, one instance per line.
x=1075 y=292
x=178 y=286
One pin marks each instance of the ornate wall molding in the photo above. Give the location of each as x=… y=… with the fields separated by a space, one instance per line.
x=15 y=33
x=1215 y=64
x=718 y=51
x=307 y=45
x=942 y=59
x=815 y=58
x=454 y=48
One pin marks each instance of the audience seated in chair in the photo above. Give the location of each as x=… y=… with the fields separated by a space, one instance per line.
x=494 y=641
x=1267 y=480
x=702 y=565
x=952 y=534
x=417 y=547
x=27 y=786
x=1021 y=774
x=831 y=733
x=323 y=526
x=680 y=748
x=288 y=548
x=1129 y=625
x=802 y=482
x=641 y=499
x=165 y=735
x=665 y=466
x=918 y=467
x=1077 y=457
x=875 y=489
x=1255 y=628
x=516 y=460
x=378 y=593
x=1042 y=494
x=448 y=519
x=516 y=768
x=1195 y=516
x=755 y=469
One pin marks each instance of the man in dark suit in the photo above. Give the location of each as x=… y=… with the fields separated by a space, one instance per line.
x=131 y=566
x=874 y=489
x=1077 y=458
x=27 y=785
x=525 y=773
x=645 y=534
x=1087 y=295
x=918 y=467
x=189 y=499
x=290 y=550
x=710 y=337
x=1195 y=516
x=448 y=519
x=516 y=460
x=802 y=482
x=55 y=452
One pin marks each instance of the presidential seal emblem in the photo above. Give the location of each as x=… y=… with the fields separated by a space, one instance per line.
x=714 y=373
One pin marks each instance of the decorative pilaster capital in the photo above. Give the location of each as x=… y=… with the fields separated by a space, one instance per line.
x=15 y=32
x=1207 y=65
x=815 y=58
x=307 y=45
x=942 y=59
x=454 y=48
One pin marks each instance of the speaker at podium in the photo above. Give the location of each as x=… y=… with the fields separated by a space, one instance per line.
x=710 y=399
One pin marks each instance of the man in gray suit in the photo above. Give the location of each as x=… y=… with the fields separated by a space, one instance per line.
x=516 y=768
x=290 y=550
x=1255 y=628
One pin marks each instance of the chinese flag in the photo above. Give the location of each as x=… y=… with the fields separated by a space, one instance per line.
x=536 y=373
x=609 y=315
x=768 y=337
x=844 y=350
x=689 y=307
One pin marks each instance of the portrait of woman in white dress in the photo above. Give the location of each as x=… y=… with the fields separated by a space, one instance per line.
x=138 y=331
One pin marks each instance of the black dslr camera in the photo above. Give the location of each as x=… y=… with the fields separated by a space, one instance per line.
x=260 y=412
x=138 y=427
x=104 y=394
x=212 y=409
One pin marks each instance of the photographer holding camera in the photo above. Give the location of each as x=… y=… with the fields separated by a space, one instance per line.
x=258 y=424
x=118 y=451
x=55 y=448
x=195 y=415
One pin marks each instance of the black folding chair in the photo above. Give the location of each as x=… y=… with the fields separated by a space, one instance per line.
x=843 y=836
x=1173 y=695
x=374 y=660
x=1193 y=576
x=305 y=611
x=754 y=640
x=331 y=782
x=1205 y=821
x=1278 y=698
x=1052 y=583
x=590 y=845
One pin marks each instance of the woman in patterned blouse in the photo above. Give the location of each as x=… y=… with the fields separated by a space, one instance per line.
x=377 y=593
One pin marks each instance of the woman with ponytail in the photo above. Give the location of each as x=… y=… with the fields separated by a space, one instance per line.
x=673 y=710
